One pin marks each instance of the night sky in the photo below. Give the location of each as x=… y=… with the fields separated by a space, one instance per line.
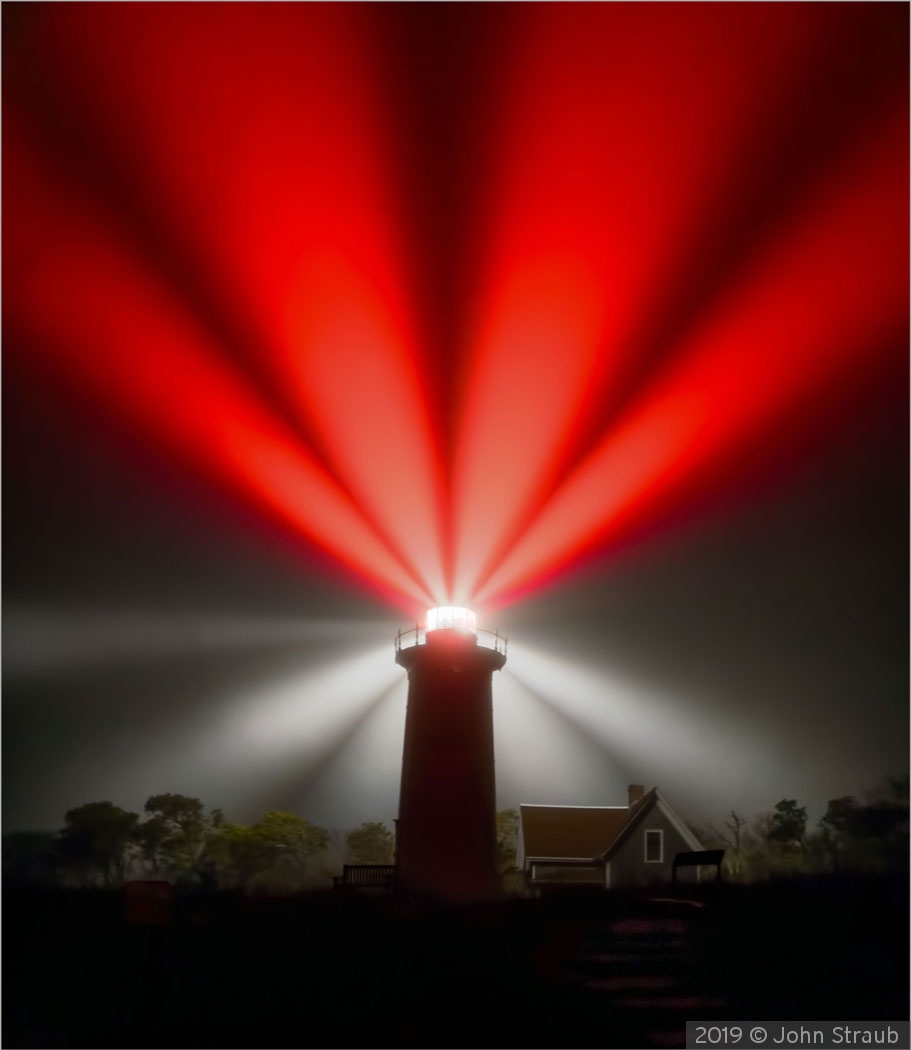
x=317 y=314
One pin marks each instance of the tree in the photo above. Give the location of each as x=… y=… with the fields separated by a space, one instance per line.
x=235 y=855
x=371 y=843
x=881 y=826
x=734 y=841
x=150 y=838
x=841 y=815
x=513 y=881
x=759 y=848
x=507 y=839
x=178 y=828
x=735 y=826
x=837 y=829
x=176 y=835
x=94 y=843
x=288 y=837
x=789 y=825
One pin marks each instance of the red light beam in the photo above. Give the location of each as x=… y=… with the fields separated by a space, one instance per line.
x=823 y=297
x=72 y=288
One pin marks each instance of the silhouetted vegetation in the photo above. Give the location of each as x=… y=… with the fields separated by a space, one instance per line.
x=371 y=843
x=94 y=845
x=102 y=845
x=513 y=881
x=852 y=836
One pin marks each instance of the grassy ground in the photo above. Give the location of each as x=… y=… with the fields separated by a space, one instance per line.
x=606 y=970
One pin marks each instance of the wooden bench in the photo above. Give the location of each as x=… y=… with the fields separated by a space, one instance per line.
x=366 y=876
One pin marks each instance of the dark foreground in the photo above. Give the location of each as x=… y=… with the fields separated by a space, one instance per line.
x=327 y=971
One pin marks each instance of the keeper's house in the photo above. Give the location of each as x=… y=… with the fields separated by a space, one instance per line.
x=608 y=846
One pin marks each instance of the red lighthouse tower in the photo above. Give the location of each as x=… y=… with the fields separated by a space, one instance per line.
x=446 y=835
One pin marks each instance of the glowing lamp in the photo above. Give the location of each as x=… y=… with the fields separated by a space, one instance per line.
x=452 y=616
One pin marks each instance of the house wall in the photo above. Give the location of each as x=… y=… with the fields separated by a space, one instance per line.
x=549 y=873
x=628 y=866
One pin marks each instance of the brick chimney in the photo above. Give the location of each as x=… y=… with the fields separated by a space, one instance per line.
x=636 y=792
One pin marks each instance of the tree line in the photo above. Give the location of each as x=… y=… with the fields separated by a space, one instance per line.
x=177 y=838
x=852 y=835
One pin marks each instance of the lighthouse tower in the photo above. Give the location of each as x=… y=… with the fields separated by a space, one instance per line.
x=446 y=842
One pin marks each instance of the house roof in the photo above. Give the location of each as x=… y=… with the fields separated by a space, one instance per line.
x=570 y=832
x=652 y=800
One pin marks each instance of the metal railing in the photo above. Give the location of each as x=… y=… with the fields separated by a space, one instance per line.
x=418 y=636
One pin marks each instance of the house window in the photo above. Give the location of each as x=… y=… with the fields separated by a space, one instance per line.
x=654 y=847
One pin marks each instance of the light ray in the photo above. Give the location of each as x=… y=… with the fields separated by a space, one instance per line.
x=38 y=641
x=146 y=361
x=817 y=305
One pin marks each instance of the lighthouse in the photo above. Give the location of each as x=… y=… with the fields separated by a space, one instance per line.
x=446 y=840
